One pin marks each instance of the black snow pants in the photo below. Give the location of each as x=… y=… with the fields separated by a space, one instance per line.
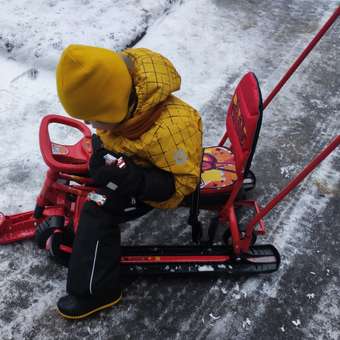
x=94 y=267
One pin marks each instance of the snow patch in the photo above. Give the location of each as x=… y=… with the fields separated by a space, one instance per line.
x=206 y=268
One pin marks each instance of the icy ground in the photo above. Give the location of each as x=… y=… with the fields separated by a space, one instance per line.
x=212 y=43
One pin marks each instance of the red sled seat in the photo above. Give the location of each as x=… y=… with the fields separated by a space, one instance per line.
x=228 y=163
x=218 y=169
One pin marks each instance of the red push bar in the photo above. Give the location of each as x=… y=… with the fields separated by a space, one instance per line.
x=302 y=56
x=294 y=183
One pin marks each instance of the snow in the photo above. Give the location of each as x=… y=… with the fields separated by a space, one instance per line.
x=246 y=323
x=327 y=313
x=213 y=316
x=310 y=295
x=296 y=323
x=206 y=268
x=39 y=39
x=212 y=44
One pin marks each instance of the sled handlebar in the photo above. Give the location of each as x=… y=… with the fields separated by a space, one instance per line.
x=302 y=56
x=71 y=159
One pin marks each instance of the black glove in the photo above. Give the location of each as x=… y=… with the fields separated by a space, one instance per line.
x=130 y=179
x=97 y=159
x=125 y=180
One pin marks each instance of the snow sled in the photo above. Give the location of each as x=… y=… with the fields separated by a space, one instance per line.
x=225 y=172
x=226 y=177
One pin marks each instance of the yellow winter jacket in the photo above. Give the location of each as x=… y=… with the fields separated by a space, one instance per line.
x=174 y=142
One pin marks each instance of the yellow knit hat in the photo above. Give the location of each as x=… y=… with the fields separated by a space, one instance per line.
x=93 y=84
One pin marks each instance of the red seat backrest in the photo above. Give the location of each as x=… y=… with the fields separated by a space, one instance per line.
x=243 y=121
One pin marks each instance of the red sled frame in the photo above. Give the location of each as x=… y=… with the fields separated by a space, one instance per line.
x=67 y=164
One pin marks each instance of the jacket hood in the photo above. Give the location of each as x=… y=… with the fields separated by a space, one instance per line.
x=154 y=78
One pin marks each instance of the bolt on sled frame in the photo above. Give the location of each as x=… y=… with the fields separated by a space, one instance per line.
x=225 y=176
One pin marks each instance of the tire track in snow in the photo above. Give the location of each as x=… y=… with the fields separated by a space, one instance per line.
x=309 y=264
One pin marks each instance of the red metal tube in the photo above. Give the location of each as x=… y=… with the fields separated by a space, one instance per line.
x=235 y=234
x=224 y=138
x=302 y=56
x=51 y=177
x=295 y=182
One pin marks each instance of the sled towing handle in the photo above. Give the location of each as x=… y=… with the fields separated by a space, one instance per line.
x=302 y=57
x=294 y=183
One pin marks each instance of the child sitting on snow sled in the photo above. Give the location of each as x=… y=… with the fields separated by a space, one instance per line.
x=127 y=97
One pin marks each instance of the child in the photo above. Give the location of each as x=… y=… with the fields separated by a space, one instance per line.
x=157 y=139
